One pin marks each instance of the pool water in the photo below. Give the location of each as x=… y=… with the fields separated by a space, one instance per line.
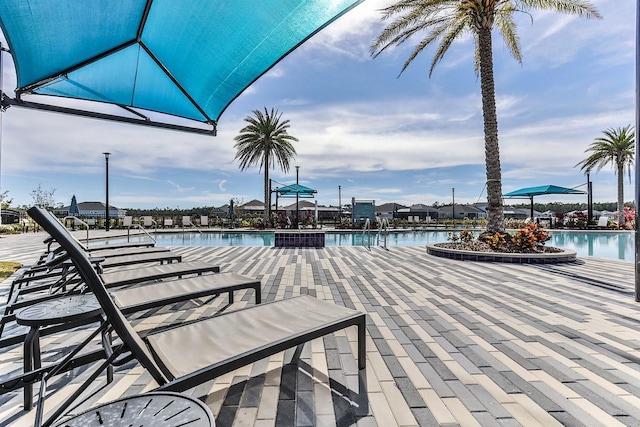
x=615 y=245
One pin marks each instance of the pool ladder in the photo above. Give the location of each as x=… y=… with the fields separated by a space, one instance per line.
x=383 y=232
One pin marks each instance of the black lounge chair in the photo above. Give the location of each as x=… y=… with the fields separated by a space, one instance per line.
x=55 y=267
x=120 y=261
x=145 y=296
x=129 y=300
x=107 y=252
x=110 y=253
x=124 y=245
x=65 y=281
x=190 y=354
x=63 y=275
x=120 y=277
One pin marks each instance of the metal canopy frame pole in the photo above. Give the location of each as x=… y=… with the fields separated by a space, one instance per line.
x=531 y=199
x=9 y=102
x=106 y=207
x=637 y=189
x=297 y=196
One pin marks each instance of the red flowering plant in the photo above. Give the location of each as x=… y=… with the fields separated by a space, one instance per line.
x=466 y=235
x=530 y=238
x=495 y=241
x=629 y=215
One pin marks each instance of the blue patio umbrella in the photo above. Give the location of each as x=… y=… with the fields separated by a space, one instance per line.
x=188 y=59
x=73 y=208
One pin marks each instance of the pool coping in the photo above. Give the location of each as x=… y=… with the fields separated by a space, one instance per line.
x=514 y=258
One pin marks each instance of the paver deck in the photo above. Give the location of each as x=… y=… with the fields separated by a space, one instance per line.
x=449 y=342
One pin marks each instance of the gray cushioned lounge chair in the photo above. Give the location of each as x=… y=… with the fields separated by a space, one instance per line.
x=67 y=282
x=49 y=268
x=130 y=300
x=190 y=354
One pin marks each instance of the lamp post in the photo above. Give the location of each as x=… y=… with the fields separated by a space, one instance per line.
x=297 y=195
x=339 y=204
x=268 y=203
x=106 y=208
x=589 y=201
x=453 y=206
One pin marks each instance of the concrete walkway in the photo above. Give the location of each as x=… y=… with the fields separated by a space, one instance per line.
x=449 y=342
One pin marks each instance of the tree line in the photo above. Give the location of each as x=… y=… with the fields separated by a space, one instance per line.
x=569 y=207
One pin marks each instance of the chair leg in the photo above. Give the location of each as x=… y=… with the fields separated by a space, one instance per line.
x=258 y=292
x=362 y=344
x=30 y=359
x=107 y=340
x=297 y=353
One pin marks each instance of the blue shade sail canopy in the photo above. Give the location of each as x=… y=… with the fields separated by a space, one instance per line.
x=542 y=189
x=295 y=189
x=530 y=192
x=188 y=59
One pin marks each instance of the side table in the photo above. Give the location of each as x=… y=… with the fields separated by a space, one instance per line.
x=73 y=309
x=162 y=409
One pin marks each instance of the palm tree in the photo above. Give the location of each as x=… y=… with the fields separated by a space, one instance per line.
x=447 y=20
x=265 y=141
x=617 y=147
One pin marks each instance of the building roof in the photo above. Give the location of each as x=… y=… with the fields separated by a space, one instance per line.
x=301 y=204
x=389 y=207
x=255 y=203
x=89 y=206
x=461 y=209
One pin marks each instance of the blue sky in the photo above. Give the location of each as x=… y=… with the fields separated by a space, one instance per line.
x=408 y=139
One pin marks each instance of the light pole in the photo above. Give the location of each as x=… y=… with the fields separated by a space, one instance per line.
x=297 y=195
x=106 y=208
x=339 y=204
x=268 y=203
x=453 y=207
x=589 y=201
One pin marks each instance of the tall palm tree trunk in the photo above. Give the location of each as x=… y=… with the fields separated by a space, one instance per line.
x=495 y=211
x=620 y=194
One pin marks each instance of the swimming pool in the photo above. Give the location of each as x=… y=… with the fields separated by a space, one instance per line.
x=608 y=244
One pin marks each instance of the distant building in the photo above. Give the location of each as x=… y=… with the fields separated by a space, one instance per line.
x=307 y=208
x=462 y=212
x=92 y=210
x=254 y=207
x=517 y=213
x=388 y=210
x=361 y=210
x=418 y=213
x=10 y=216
